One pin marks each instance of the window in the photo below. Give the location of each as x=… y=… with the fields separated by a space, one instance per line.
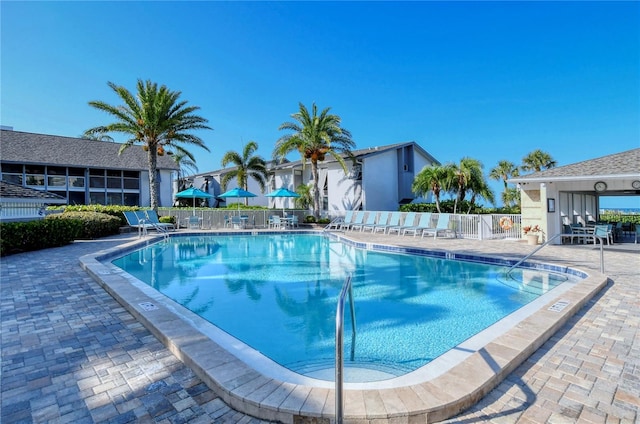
x=76 y=197
x=131 y=199
x=56 y=170
x=56 y=181
x=34 y=175
x=114 y=198
x=12 y=178
x=76 y=182
x=96 y=198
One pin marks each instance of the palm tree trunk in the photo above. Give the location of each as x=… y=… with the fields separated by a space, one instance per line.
x=154 y=185
x=316 y=189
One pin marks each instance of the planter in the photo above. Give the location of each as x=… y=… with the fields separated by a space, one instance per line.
x=532 y=239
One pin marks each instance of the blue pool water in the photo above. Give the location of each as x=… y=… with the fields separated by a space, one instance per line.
x=278 y=294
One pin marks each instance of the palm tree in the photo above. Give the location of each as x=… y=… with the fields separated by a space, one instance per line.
x=97 y=137
x=511 y=197
x=247 y=165
x=434 y=178
x=537 y=161
x=186 y=164
x=503 y=171
x=305 y=200
x=155 y=118
x=468 y=174
x=315 y=136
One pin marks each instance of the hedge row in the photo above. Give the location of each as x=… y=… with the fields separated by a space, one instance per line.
x=55 y=230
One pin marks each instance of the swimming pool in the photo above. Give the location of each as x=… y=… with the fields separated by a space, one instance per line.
x=277 y=294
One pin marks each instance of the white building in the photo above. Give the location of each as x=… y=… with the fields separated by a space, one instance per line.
x=379 y=178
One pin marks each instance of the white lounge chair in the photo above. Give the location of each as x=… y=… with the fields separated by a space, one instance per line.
x=424 y=222
x=441 y=227
x=409 y=220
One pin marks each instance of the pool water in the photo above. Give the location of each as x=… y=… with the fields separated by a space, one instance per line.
x=278 y=294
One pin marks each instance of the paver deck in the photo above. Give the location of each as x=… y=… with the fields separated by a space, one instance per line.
x=71 y=353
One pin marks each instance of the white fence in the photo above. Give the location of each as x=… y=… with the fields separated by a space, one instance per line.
x=479 y=227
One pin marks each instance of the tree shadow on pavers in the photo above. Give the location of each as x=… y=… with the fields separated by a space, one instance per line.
x=515 y=379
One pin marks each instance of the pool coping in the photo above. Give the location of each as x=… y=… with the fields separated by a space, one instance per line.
x=251 y=392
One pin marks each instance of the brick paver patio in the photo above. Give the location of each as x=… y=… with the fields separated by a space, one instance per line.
x=72 y=354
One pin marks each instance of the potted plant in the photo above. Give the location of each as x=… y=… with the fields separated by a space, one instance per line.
x=532 y=232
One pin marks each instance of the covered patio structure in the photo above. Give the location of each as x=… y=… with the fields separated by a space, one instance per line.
x=571 y=194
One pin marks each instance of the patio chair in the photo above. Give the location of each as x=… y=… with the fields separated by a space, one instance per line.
x=441 y=226
x=294 y=221
x=409 y=220
x=193 y=222
x=357 y=220
x=603 y=232
x=152 y=218
x=424 y=222
x=276 y=222
x=134 y=221
x=371 y=219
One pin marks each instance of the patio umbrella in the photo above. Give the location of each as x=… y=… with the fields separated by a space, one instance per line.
x=283 y=192
x=237 y=192
x=194 y=193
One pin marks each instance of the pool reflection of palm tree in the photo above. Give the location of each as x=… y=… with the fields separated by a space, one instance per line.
x=250 y=286
x=316 y=311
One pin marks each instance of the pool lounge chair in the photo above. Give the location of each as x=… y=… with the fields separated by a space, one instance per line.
x=381 y=224
x=441 y=227
x=424 y=222
x=337 y=222
x=134 y=221
x=409 y=220
x=394 y=220
x=152 y=218
x=371 y=219
x=357 y=220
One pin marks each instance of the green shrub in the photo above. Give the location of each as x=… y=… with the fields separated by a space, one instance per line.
x=324 y=221
x=309 y=219
x=94 y=224
x=113 y=210
x=167 y=219
x=446 y=206
x=18 y=237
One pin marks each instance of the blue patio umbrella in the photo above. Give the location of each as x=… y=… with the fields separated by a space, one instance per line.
x=193 y=193
x=238 y=193
x=283 y=192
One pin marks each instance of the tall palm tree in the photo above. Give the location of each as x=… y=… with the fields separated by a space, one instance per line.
x=511 y=197
x=434 y=178
x=315 y=136
x=186 y=164
x=468 y=174
x=155 y=118
x=247 y=165
x=537 y=161
x=503 y=171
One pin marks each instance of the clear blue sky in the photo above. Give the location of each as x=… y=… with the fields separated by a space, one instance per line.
x=487 y=80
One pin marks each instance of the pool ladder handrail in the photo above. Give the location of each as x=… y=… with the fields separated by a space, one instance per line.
x=347 y=288
x=514 y=266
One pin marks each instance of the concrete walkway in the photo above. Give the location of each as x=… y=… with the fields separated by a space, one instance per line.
x=70 y=353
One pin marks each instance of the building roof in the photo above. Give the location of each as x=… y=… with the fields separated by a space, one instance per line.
x=367 y=152
x=616 y=166
x=42 y=149
x=14 y=192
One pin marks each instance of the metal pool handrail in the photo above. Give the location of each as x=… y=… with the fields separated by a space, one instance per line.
x=549 y=241
x=346 y=288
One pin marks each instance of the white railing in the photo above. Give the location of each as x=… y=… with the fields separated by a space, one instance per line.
x=479 y=227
